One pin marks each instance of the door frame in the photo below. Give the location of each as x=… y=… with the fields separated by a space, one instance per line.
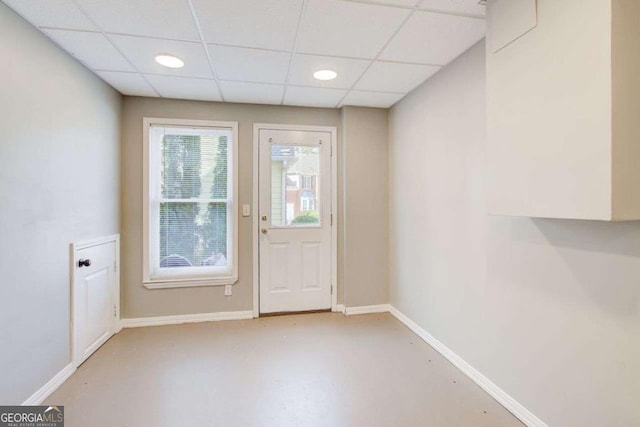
x=256 y=206
x=74 y=247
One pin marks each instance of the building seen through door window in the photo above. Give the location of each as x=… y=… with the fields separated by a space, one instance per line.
x=294 y=186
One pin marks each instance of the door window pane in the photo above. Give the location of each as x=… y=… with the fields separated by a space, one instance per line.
x=295 y=190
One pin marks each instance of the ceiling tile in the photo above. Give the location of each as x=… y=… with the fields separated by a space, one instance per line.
x=471 y=7
x=267 y=24
x=185 y=88
x=405 y=3
x=372 y=99
x=128 y=83
x=252 y=93
x=349 y=71
x=141 y=51
x=313 y=96
x=434 y=38
x=238 y=63
x=93 y=49
x=341 y=28
x=170 y=19
x=394 y=77
x=52 y=13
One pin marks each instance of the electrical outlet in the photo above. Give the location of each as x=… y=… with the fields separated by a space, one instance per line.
x=227 y=290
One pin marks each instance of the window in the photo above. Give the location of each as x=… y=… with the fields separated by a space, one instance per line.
x=190 y=203
x=307 y=182
x=306 y=202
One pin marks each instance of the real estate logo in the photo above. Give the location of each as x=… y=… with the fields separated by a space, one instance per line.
x=31 y=416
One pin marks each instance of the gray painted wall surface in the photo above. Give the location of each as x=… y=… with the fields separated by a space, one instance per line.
x=366 y=178
x=549 y=310
x=59 y=183
x=138 y=301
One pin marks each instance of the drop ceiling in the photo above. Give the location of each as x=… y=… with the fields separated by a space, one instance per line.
x=262 y=51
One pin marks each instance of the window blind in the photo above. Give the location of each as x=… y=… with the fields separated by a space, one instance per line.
x=190 y=190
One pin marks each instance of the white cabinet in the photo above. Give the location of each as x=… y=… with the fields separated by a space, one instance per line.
x=563 y=110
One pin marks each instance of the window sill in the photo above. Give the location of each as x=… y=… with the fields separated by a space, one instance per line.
x=188 y=283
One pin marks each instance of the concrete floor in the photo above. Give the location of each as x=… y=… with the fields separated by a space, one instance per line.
x=304 y=370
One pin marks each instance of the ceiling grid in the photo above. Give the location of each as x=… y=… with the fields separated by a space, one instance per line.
x=262 y=51
x=303 y=7
x=204 y=47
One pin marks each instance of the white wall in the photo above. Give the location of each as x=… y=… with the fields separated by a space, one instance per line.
x=549 y=310
x=549 y=114
x=59 y=182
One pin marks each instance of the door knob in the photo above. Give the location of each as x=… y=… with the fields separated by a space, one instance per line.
x=264 y=231
x=84 y=263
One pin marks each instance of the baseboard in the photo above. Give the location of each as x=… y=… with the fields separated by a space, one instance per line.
x=338 y=308
x=186 y=318
x=51 y=386
x=522 y=413
x=367 y=309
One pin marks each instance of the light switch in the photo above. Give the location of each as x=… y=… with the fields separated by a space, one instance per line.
x=246 y=210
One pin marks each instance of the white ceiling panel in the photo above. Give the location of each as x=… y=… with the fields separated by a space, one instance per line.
x=185 y=88
x=267 y=24
x=434 y=38
x=252 y=93
x=259 y=51
x=313 y=96
x=372 y=99
x=52 y=13
x=468 y=7
x=253 y=65
x=167 y=18
x=91 y=48
x=404 y=3
x=341 y=28
x=394 y=77
x=141 y=51
x=128 y=83
x=349 y=70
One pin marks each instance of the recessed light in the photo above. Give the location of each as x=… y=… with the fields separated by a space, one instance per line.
x=325 y=74
x=169 y=61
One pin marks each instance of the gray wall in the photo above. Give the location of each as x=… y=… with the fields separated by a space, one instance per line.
x=549 y=310
x=625 y=67
x=59 y=183
x=366 y=225
x=138 y=301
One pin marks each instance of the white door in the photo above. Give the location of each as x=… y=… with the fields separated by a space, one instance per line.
x=295 y=220
x=95 y=296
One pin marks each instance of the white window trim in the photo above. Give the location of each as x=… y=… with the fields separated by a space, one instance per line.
x=190 y=281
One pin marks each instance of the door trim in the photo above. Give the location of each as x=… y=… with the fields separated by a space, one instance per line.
x=74 y=247
x=334 y=207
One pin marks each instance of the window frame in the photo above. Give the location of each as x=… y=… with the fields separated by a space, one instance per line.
x=306 y=179
x=228 y=277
